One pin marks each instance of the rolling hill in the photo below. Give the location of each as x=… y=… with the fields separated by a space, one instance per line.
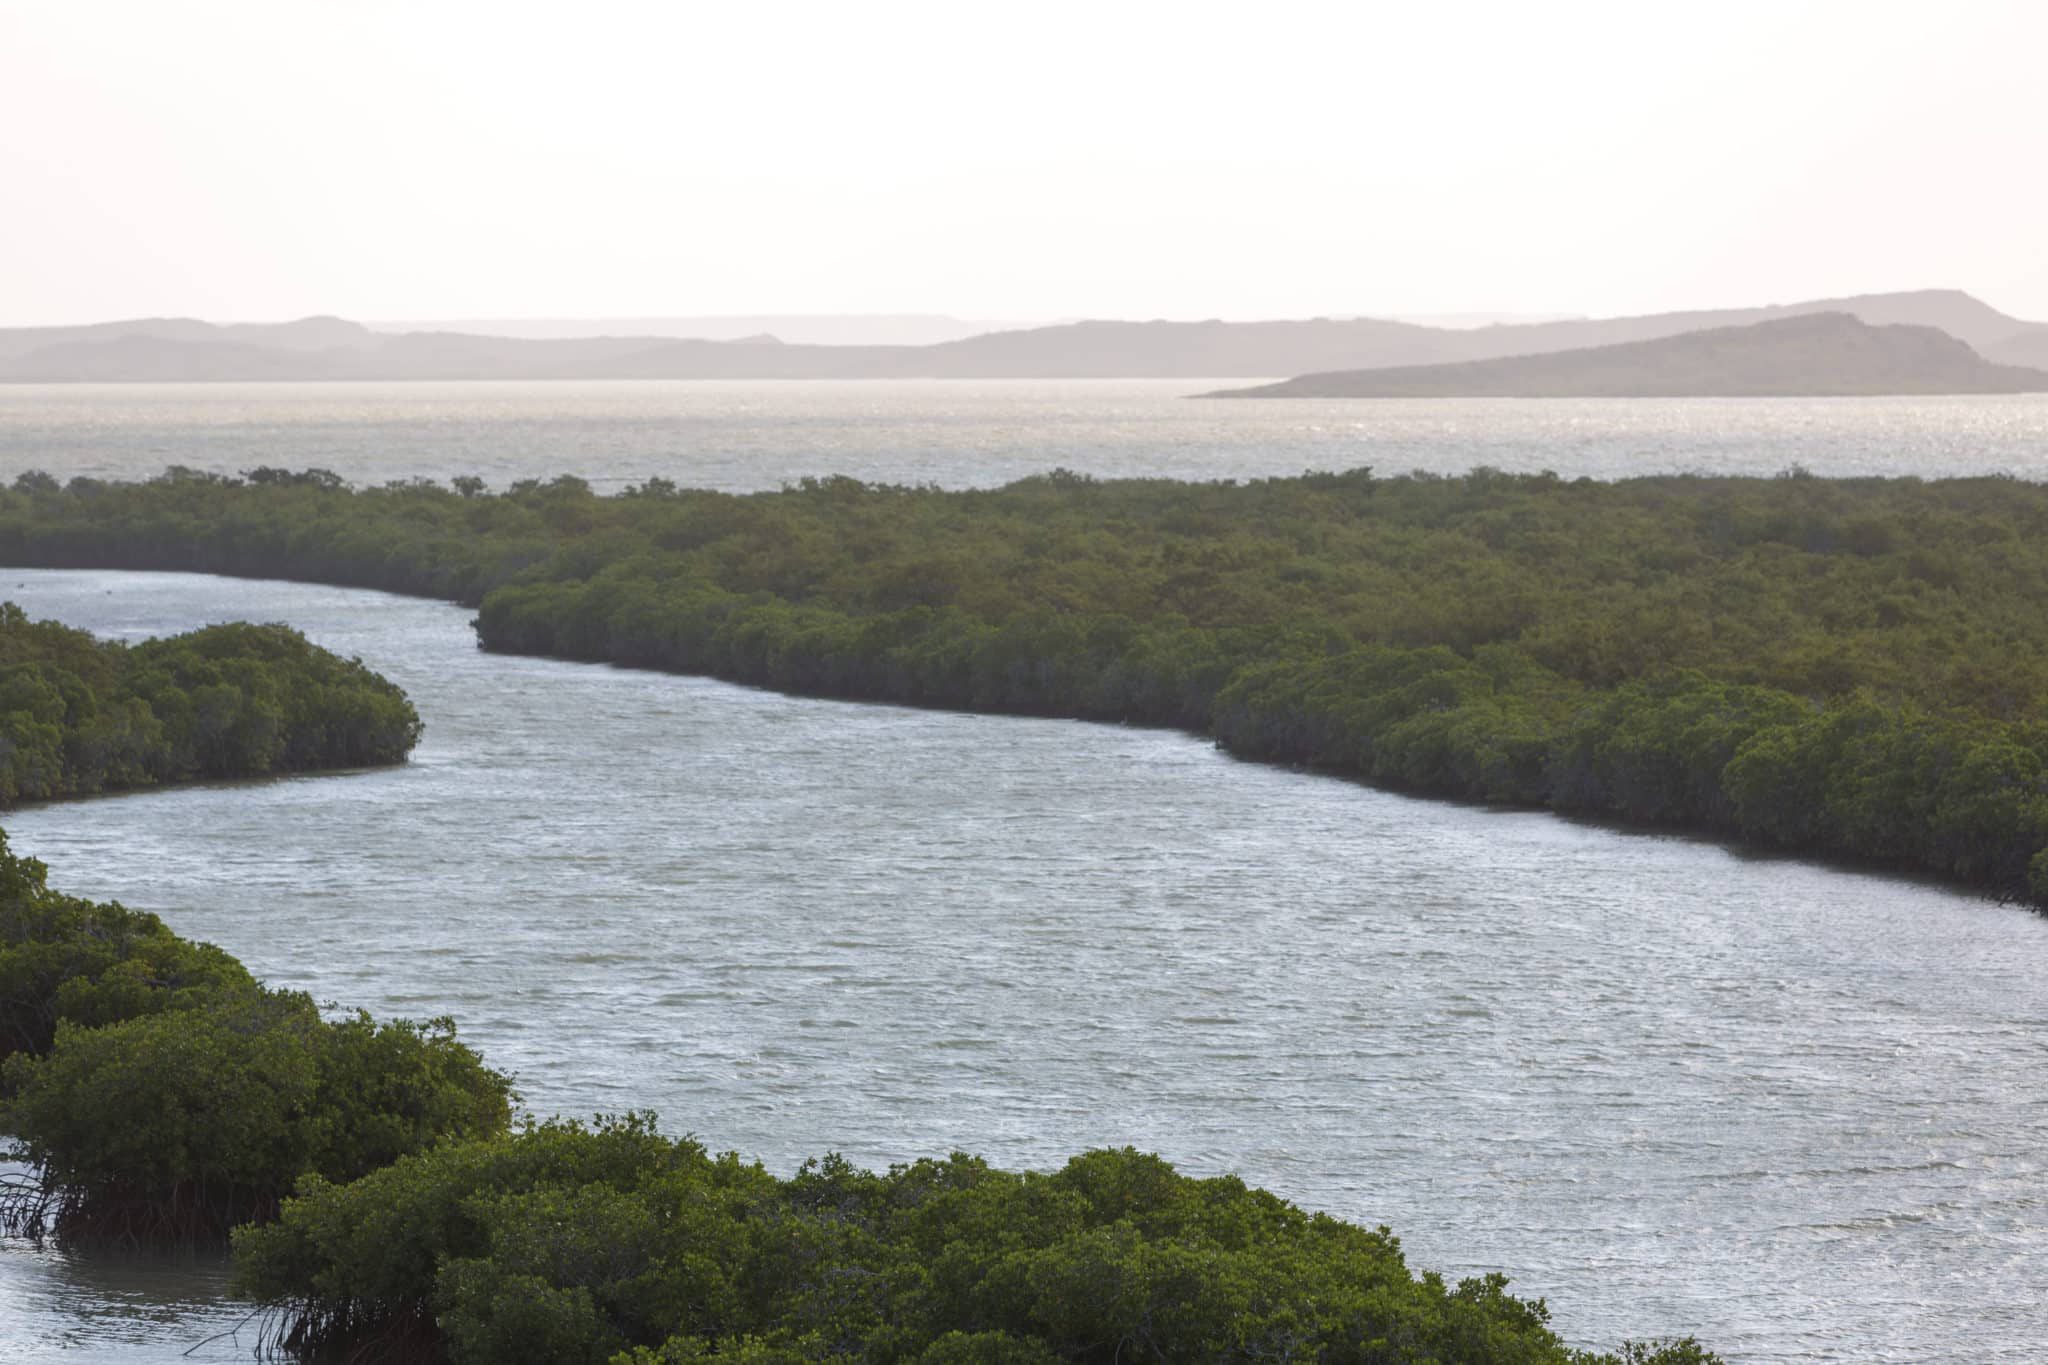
x=1818 y=354
x=176 y=349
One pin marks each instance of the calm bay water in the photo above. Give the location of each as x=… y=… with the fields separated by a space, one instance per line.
x=750 y=435
x=1793 y=1109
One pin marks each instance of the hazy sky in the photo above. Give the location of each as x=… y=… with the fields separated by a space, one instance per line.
x=274 y=158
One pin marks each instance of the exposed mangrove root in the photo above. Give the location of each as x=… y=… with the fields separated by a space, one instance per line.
x=25 y=1206
x=34 y=1207
x=313 y=1331
x=232 y=1334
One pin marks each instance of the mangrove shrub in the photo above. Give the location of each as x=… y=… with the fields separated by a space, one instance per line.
x=566 y=1243
x=80 y=716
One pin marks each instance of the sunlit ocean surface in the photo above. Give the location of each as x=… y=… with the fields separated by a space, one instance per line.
x=958 y=433
x=1794 y=1109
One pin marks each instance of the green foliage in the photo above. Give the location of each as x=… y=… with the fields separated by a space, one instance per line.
x=67 y=960
x=183 y=1123
x=177 y=1123
x=571 y=1244
x=160 y=1093
x=1850 y=667
x=79 y=715
x=390 y=1089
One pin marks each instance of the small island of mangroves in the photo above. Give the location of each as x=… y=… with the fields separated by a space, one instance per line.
x=1844 y=668
x=80 y=716
x=384 y=1207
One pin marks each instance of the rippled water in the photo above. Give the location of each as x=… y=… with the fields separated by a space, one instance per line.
x=1793 y=1109
x=959 y=433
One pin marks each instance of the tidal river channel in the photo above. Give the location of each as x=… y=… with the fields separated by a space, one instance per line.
x=1794 y=1109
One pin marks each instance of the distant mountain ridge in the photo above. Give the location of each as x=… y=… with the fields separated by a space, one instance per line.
x=1802 y=355
x=1962 y=316
x=184 y=349
x=306 y=334
x=827 y=329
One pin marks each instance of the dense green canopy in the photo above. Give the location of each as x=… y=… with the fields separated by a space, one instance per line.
x=66 y=959
x=1847 y=667
x=566 y=1245
x=80 y=715
x=162 y=1094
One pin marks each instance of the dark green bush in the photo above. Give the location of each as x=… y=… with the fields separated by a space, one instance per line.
x=178 y=1125
x=162 y=1095
x=79 y=715
x=571 y=1244
x=63 y=959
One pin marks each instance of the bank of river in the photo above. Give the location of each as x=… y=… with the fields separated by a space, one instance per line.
x=1789 y=1108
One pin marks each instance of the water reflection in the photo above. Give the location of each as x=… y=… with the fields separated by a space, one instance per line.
x=118 y=1306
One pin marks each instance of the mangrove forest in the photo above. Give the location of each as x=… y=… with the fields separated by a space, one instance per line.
x=80 y=716
x=1849 y=668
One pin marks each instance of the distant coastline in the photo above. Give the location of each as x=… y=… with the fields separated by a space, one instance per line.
x=184 y=350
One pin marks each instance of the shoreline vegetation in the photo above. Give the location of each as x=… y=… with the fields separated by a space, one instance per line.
x=1844 y=668
x=81 y=716
x=162 y=1096
x=425 y=1227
